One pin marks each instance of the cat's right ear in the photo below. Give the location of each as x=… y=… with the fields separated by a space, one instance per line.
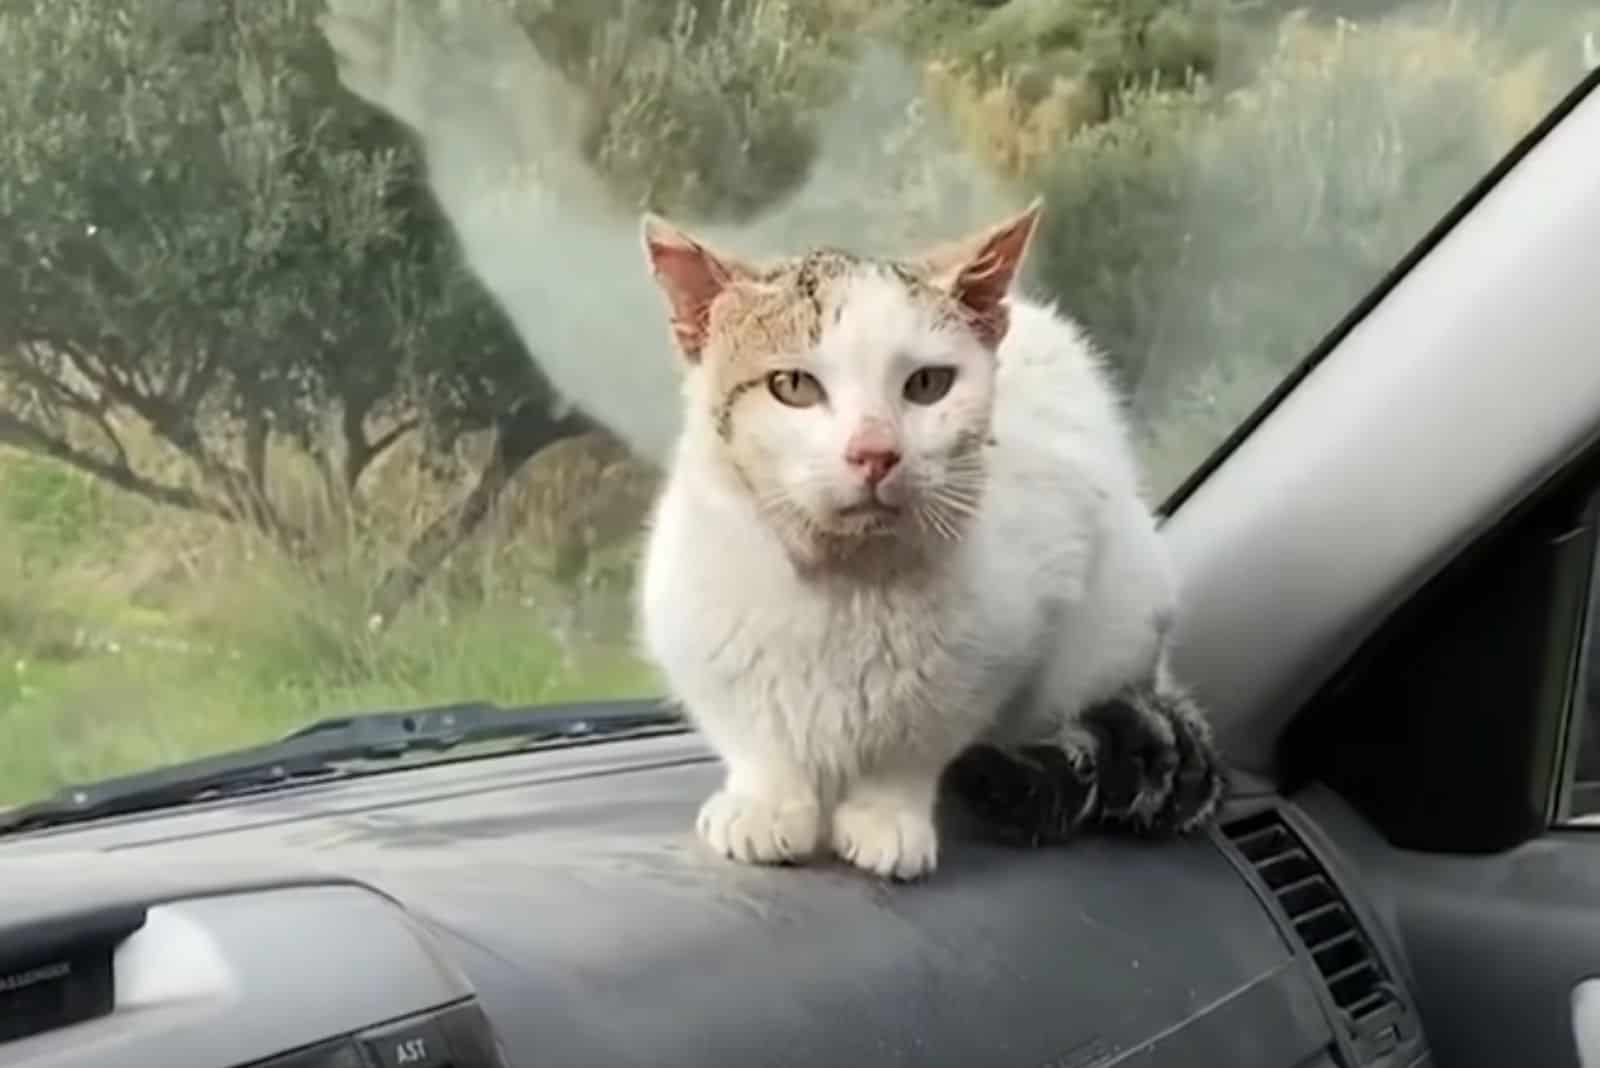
x=978 y=270
x=690 y=276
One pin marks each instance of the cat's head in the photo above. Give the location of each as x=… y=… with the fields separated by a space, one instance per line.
x=851 y=396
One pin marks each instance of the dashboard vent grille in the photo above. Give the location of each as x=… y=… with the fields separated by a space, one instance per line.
x=1321 y=917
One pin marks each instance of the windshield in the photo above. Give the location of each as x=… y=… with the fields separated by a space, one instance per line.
x=331 y=377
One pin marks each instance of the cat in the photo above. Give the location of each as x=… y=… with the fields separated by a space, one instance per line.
x=901 y=541
x=500 y=133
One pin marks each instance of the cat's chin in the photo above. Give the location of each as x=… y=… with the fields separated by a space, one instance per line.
x=863 y=521
x=859 y=536
x=867 y=515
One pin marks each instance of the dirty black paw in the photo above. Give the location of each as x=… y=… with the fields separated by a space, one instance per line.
x=1157 y=770
x=1198 y=786
x=1029 y=796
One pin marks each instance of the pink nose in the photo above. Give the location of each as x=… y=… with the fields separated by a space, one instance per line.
x=873 y=461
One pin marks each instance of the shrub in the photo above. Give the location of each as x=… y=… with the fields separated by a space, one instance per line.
x=1208 y=239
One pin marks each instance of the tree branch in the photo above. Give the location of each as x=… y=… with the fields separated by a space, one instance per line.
x=93 y=409
x=31 y=439
x=361 y=452
x=109 y=431
x=521 y=434
x=384 y=442
x=29 y=371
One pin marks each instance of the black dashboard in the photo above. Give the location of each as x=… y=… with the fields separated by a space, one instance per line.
x=554 y=908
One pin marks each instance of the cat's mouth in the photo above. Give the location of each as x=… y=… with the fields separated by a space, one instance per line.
x=869 y=509
x=868 y=518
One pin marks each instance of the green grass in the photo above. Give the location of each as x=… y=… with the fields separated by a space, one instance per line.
x=106 y=713
x=111 y=664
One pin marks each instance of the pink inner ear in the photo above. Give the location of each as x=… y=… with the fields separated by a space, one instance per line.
x=691 y=277
x=982 y=283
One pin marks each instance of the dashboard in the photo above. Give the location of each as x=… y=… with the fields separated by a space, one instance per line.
x=554 y=908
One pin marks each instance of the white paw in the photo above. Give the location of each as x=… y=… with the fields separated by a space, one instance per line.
x=892 y=841
x=753 y=830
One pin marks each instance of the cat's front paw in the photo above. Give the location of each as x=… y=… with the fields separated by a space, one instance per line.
x=893 y=841
x=1034 y=795
x=1199 y=783
x=755 y=830
x=1156 y=768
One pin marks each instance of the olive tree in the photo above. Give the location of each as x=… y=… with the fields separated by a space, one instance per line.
x=205 y=238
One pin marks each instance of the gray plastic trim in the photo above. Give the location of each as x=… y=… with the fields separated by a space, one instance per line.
x=1474 y=379
x=219 y=981
x=1586 y=1022
x=1497 y=943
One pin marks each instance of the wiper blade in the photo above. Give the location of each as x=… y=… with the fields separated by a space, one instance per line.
x=322 y=748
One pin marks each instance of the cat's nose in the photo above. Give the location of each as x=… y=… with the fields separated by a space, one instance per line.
x=874 y=464
x=872 y=451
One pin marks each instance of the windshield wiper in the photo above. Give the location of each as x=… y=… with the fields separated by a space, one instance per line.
x=326 y=747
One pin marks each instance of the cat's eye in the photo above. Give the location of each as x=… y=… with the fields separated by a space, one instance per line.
x=797 y=389
x=929 y=385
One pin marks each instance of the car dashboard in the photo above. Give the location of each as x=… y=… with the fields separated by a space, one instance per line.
x=554 y=908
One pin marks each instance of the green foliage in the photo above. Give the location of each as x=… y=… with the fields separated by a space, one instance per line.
x=199 y=227
x=1112 y=42
x=50 y=509
x=1209 y=240
x=142 y=706
x=1111 y=45
x=90 y=686
x=704 y=108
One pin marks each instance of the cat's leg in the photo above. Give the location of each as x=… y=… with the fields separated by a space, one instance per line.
x=1033 y=793
x=884 y=823
x=767 y=811
x=1157 y=768
x=1141 y=759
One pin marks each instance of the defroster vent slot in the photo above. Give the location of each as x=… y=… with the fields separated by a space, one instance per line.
x=1358 y=983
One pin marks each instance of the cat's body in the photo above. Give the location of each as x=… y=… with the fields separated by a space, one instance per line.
x=840 y=663
x=772 y=613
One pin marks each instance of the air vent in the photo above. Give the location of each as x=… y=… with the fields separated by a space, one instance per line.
x=1357 y=981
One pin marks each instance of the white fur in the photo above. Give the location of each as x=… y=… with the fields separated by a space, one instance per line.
x=836 y=702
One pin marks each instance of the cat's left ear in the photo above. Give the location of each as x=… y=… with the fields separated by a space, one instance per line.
x=690 y=276
x=978 y=270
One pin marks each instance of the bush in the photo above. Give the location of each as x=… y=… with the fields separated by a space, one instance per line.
x=1208 y=239
x=708 y=108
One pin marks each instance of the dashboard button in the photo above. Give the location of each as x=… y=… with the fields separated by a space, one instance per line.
x=472 y=1040
x=413 y=1044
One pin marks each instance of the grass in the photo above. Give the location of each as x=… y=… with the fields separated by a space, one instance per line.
x=137 y=702
x=131 y=636
x=1207 y=231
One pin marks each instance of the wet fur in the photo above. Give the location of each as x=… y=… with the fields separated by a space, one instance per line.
x=1005 y=631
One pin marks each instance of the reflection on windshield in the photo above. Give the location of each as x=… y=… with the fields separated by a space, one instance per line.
x=331 y=378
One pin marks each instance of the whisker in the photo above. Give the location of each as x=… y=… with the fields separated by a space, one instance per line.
x=937 y=520
x=955 y=497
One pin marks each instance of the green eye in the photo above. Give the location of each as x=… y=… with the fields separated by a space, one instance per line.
x=797 y=389
x=929 y=385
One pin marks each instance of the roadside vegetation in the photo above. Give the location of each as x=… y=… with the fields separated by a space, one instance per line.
x=269 y=452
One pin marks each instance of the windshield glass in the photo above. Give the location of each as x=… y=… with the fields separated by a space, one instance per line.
x=332 y=378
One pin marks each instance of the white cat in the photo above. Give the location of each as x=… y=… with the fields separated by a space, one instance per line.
x=903 y=524
x=836 y=653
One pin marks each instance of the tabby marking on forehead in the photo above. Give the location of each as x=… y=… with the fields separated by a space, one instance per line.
x=783 y=313
x=793 y=302
x=774 y=320
x=722 y=417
